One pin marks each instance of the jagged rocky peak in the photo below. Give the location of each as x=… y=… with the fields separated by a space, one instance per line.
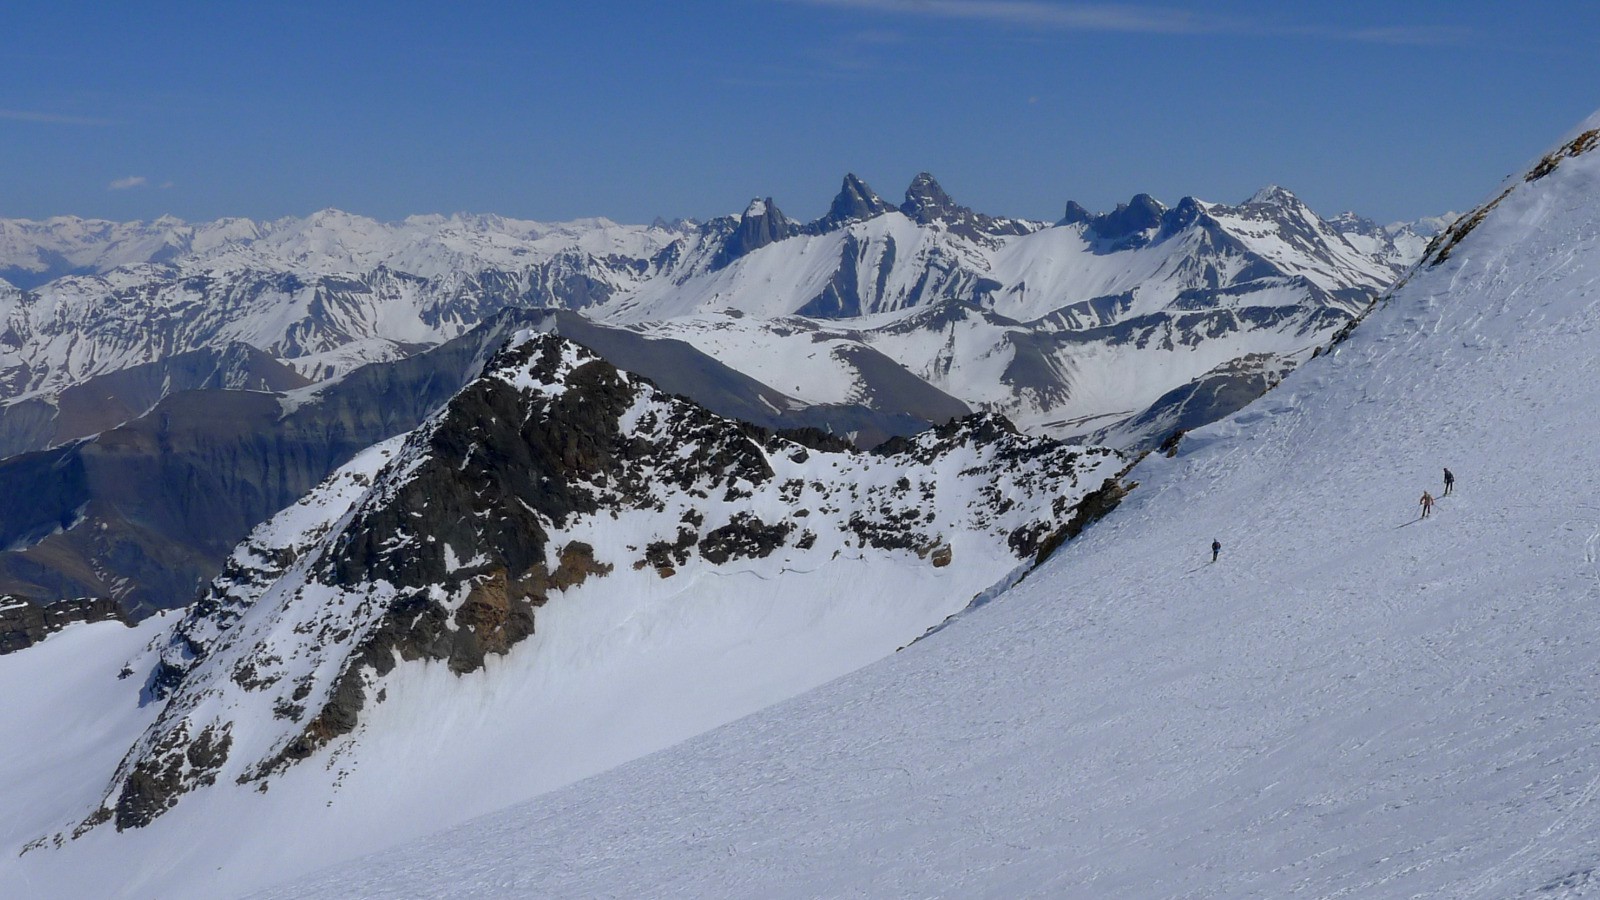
x=1130 y=223
x=855 y=202
x=552 y=473
x=1280 y=204
x=1186 y=213
x=1075 y=214
x=1140 y=214
x=678 y=224
x=1274 y=195
x=926 y=201
x=1348 y=223
x=762 y=223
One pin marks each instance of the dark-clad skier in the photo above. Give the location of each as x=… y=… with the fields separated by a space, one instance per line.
x=1216 y=547
x=1449 y=481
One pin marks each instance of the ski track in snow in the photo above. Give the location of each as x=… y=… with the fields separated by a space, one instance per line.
x=1337 y=708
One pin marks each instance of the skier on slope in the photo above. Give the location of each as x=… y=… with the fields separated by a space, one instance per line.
x=1427 y=504
x=1216 y=547
x=1449 y=481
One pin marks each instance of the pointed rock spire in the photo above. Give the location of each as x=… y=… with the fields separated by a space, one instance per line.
x=761 y=224
x=1075 y=214
x=1186 y=213
x=855 y=202
x=927 y=201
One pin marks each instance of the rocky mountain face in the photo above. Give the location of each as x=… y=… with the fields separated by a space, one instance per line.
x=144 y=514
x=555 y=480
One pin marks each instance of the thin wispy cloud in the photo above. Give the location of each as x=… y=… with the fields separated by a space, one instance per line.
x=859 y=51
x=841 y=58
x=23 y=115
x=129 y=183
x=1134 y=19
x=1073 y=16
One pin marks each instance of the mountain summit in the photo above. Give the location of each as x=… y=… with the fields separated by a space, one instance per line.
x=855 y=202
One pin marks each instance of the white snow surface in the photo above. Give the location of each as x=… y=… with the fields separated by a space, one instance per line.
x=1352 y=702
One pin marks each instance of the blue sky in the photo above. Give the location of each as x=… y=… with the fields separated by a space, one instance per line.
x=554 y=110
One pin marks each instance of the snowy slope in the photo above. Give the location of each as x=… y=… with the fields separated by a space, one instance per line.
x=368 y=669
x=883 y=264
x=1401 y=243
x=1077 y=372
x=1350 y=703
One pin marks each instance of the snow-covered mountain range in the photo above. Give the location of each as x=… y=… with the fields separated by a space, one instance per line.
x=552 y=540
x=1351 y=702
x=1042 y=322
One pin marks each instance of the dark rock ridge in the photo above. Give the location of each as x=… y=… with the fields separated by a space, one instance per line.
x=1444 y=243
x=146 y=513
x=23 y=624
x=1137 y=223
x=448 y=552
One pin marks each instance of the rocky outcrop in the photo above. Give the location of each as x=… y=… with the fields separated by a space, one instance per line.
x=855 y=202
x=761 y=224
x=926 y=202
x=445 y=545
x=147 y=513
x=24 y=623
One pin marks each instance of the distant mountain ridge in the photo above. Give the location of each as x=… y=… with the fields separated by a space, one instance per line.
x=1017 y=316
